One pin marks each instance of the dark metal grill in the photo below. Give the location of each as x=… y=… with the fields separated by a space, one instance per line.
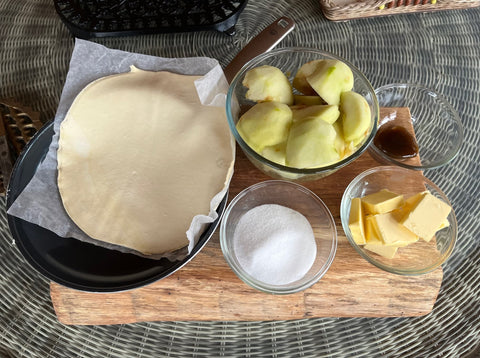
x=102 y=18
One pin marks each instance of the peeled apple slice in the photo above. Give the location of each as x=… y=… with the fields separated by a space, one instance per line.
x=275 y=153
x=342 y=148
x=356 y=116
x=300 y=80
x=330 y=79
x=268 y=83
x=311 y=144
x=327 y=113
x=265 y=124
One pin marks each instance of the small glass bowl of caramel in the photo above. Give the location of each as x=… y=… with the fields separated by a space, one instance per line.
x=417 y=128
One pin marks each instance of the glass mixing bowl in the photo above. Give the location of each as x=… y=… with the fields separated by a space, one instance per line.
x=289 y=60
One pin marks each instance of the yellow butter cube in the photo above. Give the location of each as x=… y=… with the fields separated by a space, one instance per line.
x=355 y=222
x=374 y=236
x=382 y=202
x=427 y=216
x=385 y=251
x=408 y=205
x=391 y=232
x=371 y=235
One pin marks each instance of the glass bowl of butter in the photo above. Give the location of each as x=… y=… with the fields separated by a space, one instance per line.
x=398 y=220
x=278 y=237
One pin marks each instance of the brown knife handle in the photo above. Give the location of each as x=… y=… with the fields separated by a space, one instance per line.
x=263 y=42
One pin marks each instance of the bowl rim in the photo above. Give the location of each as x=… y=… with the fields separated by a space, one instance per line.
x=344 y=221
x=283 y=168
x=439 y=163
x=251 y=281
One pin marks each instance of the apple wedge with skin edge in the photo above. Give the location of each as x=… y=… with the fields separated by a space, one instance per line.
x=265 y=124
x=300 y=82
x=268 y=84
x=355 y=113
x=330 y=79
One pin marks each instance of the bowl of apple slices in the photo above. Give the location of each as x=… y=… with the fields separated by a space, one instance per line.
x=300 y=114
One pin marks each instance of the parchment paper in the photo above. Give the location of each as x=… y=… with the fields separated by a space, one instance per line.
x=40 y=202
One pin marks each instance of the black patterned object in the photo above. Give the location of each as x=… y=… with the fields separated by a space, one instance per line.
x=102 y=18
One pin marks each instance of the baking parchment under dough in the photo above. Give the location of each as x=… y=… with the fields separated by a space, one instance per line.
x=40 y=201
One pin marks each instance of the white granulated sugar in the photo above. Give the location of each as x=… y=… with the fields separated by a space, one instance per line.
x=274 y=244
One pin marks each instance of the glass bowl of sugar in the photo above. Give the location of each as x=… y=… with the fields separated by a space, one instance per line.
x=278 y=237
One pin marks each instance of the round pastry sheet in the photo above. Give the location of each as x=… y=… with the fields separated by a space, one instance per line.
x=138 y=160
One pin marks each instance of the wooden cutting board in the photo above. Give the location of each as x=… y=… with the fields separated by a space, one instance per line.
x=207 y=289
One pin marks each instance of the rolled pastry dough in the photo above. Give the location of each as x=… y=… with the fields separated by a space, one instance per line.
x=139 y=157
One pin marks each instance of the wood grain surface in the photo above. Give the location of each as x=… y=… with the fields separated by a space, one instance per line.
x=207 y=289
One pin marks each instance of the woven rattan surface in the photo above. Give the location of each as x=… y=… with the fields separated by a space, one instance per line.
x=440 y=50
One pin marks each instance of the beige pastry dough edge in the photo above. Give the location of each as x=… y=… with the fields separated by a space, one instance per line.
x=65 y=197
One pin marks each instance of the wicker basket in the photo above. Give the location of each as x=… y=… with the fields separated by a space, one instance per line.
x=338 y=10
x=18 y=124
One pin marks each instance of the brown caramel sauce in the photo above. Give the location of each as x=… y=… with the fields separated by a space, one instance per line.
x=396 y=142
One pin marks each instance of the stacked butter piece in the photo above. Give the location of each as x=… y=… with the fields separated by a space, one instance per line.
x=384 y=221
